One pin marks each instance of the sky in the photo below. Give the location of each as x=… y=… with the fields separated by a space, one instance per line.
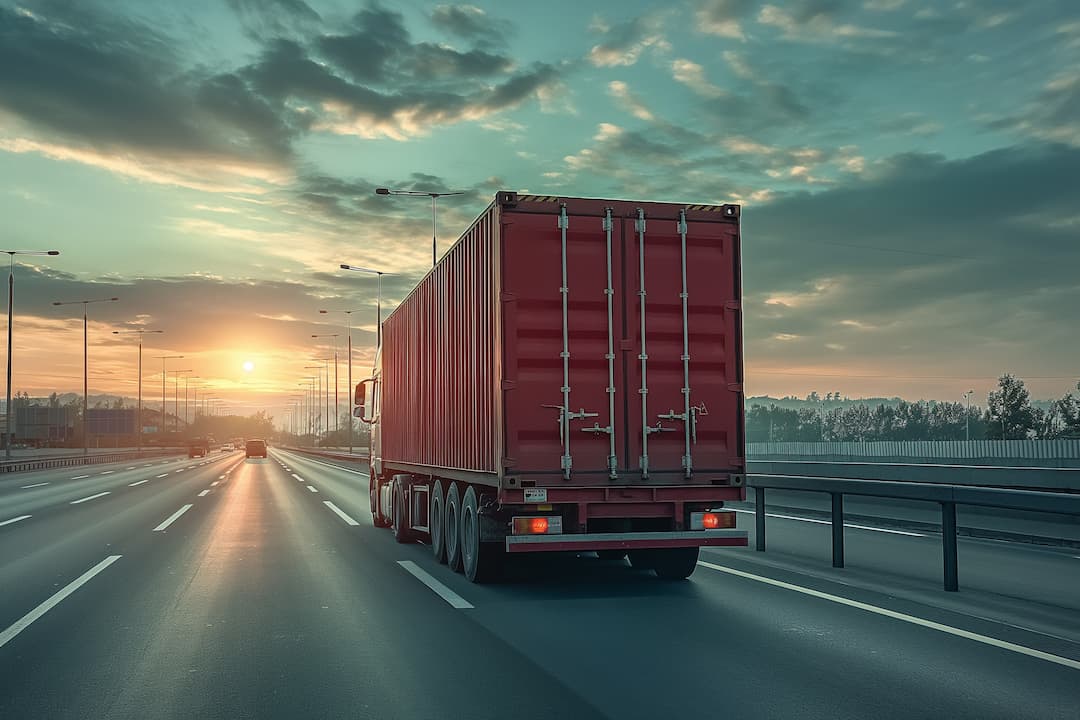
x=909 y=171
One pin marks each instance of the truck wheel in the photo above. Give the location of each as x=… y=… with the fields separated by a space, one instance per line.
x=373 y=498
x=435 y=522
x=401 y=527
x=480 y=560
x=675 y=563
x=452 y=527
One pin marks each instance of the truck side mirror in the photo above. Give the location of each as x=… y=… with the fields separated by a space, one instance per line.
x=358 y=399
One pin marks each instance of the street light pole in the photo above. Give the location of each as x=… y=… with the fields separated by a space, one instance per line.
x=187 y=379
x=378 y=301
x=434 y=212
x=86 y=361
x=164 y=375
x=9 y=433
x=176 y=396
x=141 y=332
x=337 y=404
x=349 y=386
x=967 y=415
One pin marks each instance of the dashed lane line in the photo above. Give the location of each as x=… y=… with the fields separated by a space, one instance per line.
x=26 y=620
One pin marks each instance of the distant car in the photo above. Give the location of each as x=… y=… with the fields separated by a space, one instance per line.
x=197 y=447
x=256 y=448
x=228 y=447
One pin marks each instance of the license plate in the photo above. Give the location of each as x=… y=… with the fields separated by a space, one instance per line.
x=536 y=495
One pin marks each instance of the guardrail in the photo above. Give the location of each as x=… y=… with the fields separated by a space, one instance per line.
x=44 y=463
x=946 y=496
x=355 y=457
x=1034 y=478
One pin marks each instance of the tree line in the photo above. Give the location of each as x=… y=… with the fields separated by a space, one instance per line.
x=1008 y=414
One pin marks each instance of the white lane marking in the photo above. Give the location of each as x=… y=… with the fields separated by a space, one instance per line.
x=203 y=493
x=92 y=497
x=214 y=483
x=178 y=471
x=220 y=477
x=298 y=477
x=108 y=472
x=172 y=518
x=163 y=475
x=148 y=464
x=130 y=468
x=948 y=629
x=829 y=522
x=27 y=487
x=455 y=600
x=312 y=488
x=336 y=467
x=190 y=466
x=25 y=621
x=340 y=513
x=138 y=482
x=80 y=477
x=14 y=520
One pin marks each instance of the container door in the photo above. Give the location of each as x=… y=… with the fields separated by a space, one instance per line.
x=561 y=368
x=683 y=370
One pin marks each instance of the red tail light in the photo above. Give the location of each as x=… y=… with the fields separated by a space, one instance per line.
x=538 y=526
x=711 y=520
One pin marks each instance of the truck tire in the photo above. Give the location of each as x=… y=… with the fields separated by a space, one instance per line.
x=480 y=560
x=373 y=498
x=402 y=533
x=675 y=563
x=452 y=527
x=436 y=522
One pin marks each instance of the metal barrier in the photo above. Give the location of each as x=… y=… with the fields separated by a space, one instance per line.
x=947 y=496
x=40 y=463
x=328 y=454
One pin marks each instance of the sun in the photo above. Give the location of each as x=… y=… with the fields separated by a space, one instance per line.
x=248 y=366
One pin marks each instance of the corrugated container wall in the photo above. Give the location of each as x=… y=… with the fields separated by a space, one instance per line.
x=439 y=361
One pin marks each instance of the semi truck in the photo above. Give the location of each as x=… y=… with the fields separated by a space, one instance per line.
x=568 y=377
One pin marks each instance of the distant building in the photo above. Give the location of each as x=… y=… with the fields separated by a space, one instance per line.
x=44 y=425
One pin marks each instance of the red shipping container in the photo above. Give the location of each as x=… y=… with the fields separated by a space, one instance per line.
x=568 y=342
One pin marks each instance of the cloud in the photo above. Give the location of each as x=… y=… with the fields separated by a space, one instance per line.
x=473 y=24
x=950 y=263
x=629 y=101
x=624 y=42
x=98 y=86
x=723 y=17
x=692 y=76
x=275 y=18
x=1053 y=115
x=814 y=21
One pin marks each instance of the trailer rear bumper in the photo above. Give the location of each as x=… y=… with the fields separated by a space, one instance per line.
x=625 y=541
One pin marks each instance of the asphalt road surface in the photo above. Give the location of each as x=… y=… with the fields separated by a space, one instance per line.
x=233 y=588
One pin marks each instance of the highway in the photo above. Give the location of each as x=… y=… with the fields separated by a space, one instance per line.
x=233 y=588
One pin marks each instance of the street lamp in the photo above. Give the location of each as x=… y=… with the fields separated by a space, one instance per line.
x=85 y=303
x=164 y=374
x=141 y=332
x=349 y=387
x=8 y=430
x=337 y=404
x=187 y=379
x=309 y=384
x=317 y=397
x=434 y=211
x=378 y=301
x=326 y=391
x=176 y=396
x=967 y=415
